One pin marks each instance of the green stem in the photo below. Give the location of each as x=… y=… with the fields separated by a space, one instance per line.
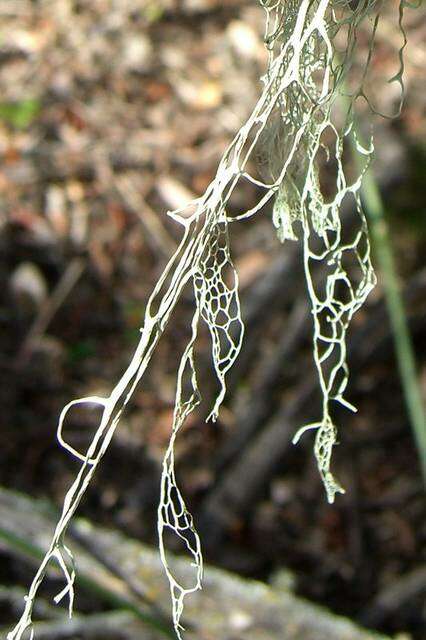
x=375 y=212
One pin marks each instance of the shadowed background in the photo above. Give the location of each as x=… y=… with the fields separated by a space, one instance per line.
x=111 y=113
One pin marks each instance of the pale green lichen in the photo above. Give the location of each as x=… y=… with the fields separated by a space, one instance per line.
x=289 y=126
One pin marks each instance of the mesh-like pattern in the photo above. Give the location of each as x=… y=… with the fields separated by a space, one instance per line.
x=302 y=127
x=291 y=124
x=219 y=304
x=173 y=515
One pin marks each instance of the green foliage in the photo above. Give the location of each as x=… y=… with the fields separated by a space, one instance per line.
x=81 y=350
x=153 y=11
x=21 y=114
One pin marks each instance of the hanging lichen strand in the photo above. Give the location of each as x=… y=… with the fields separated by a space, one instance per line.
x=289 y=127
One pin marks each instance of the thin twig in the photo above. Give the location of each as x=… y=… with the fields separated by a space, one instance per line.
x=117 y=625
x=157 y=235
x=395 y=596
x=65 y=285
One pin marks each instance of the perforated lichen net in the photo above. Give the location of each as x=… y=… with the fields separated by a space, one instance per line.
x=293 y=122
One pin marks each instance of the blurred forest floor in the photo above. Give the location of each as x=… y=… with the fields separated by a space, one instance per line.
x=111 y=113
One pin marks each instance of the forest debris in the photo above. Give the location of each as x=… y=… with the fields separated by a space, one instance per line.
x=175 y=194
x=395 y=596
x=56 y=210
x=226 y=601
x=117 y=625
x=250 y=266
x=51 y=306
x=208 y=96
x=138 y=53
x=152 y=223
x=244 y=40
x=28 y=286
